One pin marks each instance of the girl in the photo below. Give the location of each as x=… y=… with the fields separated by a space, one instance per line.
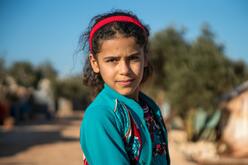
x=122 y=125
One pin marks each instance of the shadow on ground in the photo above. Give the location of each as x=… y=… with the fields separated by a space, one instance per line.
x=27 y=135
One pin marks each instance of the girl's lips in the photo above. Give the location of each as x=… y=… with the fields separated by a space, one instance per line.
x=125 y=82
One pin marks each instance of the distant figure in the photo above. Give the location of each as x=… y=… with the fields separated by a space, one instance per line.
x=164 y=106
x=43 y=99
x=18 y=96
x=122 y=125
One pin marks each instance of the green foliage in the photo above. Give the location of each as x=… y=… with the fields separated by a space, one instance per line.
x=24 y=73
x=2 y=70
x=72 y=88
x=168 y=51
x=46 y=70
x=193 y=74
x=28 y=75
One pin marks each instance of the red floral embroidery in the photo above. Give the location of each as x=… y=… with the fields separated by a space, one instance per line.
x=136 y=134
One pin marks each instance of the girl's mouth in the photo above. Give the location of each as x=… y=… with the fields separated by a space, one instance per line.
x=125 y=82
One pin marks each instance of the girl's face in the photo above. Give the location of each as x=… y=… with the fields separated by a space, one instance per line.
x=121 y=63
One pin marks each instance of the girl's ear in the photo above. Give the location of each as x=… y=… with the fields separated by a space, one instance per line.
x=94 y=64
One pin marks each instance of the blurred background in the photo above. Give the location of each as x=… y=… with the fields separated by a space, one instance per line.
x=200 y=81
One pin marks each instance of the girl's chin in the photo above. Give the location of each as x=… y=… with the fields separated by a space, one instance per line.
x=128 y=92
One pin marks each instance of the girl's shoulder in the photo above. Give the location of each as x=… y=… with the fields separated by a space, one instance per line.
x=103 y=108
x=106 y=109
x=99 y=107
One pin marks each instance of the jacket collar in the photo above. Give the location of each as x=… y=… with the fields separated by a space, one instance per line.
x=126 y=100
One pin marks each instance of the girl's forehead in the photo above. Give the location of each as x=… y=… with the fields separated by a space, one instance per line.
x=119 y=45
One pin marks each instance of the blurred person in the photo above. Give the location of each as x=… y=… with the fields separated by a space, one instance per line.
x=43 y=99
x=164 y=106
x=20 y=105
x=122 y=125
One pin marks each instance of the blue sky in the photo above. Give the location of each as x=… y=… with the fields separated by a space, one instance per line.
x=48 y=30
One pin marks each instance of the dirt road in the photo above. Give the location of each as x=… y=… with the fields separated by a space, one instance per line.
x=50 y=143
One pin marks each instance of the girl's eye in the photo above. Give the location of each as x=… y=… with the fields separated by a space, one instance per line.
x=134 y=58
x=111 y=60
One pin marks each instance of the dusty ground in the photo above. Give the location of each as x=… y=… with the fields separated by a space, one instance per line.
x=51 y=143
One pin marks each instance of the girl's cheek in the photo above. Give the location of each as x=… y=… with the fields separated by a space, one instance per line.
x=138 y=66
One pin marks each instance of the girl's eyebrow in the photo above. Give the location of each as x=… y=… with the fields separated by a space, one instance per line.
x=111 y=57
x=116 y=56
x=134 y=54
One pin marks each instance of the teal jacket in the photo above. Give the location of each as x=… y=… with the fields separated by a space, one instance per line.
x=105 y=130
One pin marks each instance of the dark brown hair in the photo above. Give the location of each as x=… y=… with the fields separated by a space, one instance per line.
x=109 y=31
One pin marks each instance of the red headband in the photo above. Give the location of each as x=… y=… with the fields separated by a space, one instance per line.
x=112 y=19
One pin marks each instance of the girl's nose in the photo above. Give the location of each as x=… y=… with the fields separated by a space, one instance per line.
x=124 y=67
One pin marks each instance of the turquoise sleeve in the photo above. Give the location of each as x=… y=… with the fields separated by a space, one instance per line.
x=100 y=139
